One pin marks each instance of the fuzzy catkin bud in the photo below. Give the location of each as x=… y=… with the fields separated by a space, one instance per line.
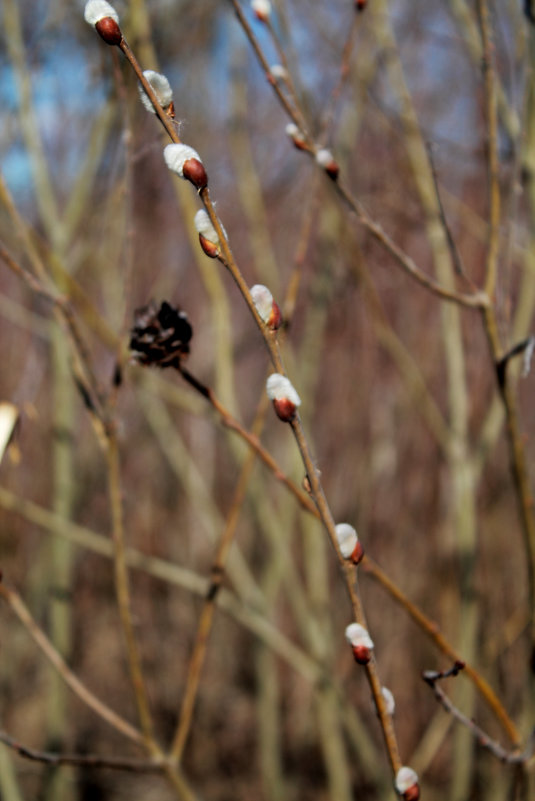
x=161 y=88
x=284 y=397
x=262 y=9
x=186 y=162
x=95 y=10
x=360 y=641
x=208 y=237
x=348 y=542
x=407 y=784
x=326 y=160
x=296 y=136
x=266 y=306
x=389 y=700
x=280 y=73
x=105 y=19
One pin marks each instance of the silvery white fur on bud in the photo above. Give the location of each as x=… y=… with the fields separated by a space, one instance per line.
x=263 y=300
x=280 y=74
x=357 y=635
x=176 y=156
x=278 y=388
x=161 y=88
x=389 y=700
x=204 y=226
x=406 y=780
x=347 y=539
x=262 y=8
x=95 y=10
x=324 y=157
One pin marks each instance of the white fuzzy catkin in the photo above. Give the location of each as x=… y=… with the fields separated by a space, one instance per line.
x=405 y=778
x=357 y=635
x=263 y=300
x=324 y=157
x=279 y=73
x=204 y=226
x=95 y=10
x=176 y=155
x=347 y=539
x=261 y=7
x=161 y=88
x=293 y=131
x=278 y=387
x=389 y=700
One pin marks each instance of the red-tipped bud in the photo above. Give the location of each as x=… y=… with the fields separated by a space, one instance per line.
x=349 y=543
x=326 y=160
x=105 y=19
x=109 y=31
x=285 y=399
x=195 y=173
x=208 y=237
x=266 y=306
x=262 y=9
x=360 y=5
x=186 y=162
x=361 y=643
x=407 y=784
x=296 y=136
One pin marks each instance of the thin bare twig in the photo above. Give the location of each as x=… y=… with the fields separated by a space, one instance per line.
x=82 y=760
x=432 y=677
x=17 y=605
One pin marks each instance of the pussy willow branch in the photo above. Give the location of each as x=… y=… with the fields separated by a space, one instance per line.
x=428 y=626
x=477 y=300
x=270 y=339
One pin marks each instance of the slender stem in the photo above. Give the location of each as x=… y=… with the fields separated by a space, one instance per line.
x=20 y=609
x=123 y=592
x=207 y=613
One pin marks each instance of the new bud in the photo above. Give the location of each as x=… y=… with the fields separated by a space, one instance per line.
x=208 y=237
x=326 y=160
x=361 y=643
x=105 y=19
x=186 y=162
x=262 y=9
x=349 y=543
x=285 y=399
x=266 y=306
x=296 y=136
x=389 y=700
x=161 y=88
x=360 y=5
x=407 y=784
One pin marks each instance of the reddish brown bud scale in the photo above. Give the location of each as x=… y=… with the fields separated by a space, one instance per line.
x=413 y=793
x=109 y=30
x=300 y=144
x=194 y=171
x=275 y=318
x=360 y=5
x=210 y=248
x=361 y=654
x=285 y=409
x=332 y=169
x=358 y=553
